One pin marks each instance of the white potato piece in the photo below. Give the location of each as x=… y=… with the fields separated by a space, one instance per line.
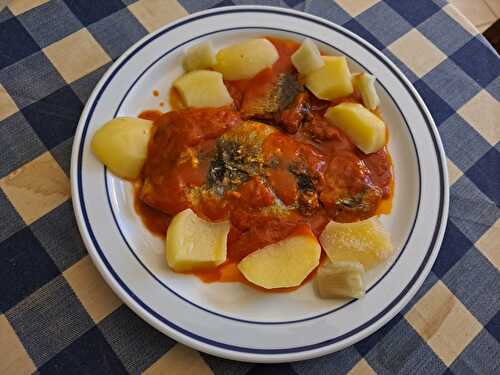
x=365 y=129
x=283 y=264
x=193 y=243
x=307 y=58
x=122 y=145
x=332 y=80
x=364 y=83
x=340 y=279
x=364 y=241
x=199 y=56
x=203 y=88
x=245 y=59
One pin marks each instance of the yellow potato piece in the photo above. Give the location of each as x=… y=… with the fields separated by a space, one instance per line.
x=364 y=83
x=122 y=145
x=332 y=80
x=203 y=88
x=340 y=279
x=307 y=58
x=283 y=264
x=365 y=129
x=365 y=241
x=193 y=243
x=244 y=60
x=199 y=56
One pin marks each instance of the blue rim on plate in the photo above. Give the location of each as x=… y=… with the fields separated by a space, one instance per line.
x=134 y=253
x=443 y=197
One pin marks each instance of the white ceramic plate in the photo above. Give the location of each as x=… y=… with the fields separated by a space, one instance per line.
x=233 y=320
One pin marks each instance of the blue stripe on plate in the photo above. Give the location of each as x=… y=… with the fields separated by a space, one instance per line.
x=233 y=347
x=134 y=253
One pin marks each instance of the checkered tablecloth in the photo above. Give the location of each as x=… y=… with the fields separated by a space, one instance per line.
x=57 y=314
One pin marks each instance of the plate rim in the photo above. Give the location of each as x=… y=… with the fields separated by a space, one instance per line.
x=379 y=320
x=134 y=253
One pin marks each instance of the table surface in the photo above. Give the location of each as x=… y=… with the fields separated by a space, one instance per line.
x=57 y=313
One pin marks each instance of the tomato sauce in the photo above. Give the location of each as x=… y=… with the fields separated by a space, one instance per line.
x=156 y=221
x=152 y=115
x=304 y=173
x=175 y=100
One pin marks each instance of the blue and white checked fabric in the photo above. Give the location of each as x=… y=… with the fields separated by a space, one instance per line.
x=57 y=314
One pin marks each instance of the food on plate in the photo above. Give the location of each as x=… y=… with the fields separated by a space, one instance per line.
x=332 y=80
x=283 y=264
x=269 y=166
x=181 y=157
x=365 y=241
x=364 y=128
x=273 y=97
x=340 y=279
x=122 y=144
x=193 y=243
x=199 y=56
x=307 y=58
x=203 y=88
x=244 y=60
x=364 y=83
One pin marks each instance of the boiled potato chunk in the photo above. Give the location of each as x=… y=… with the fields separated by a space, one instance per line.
x=203 y=88
x=307 y=58
x=122 y=145
x=365 y=129
x=283 y=264
x=365 y=241
x=193 y=243
x=365 y=84
x=332 y=80
x=340 y=279
x=245 y=59
x=199 y=56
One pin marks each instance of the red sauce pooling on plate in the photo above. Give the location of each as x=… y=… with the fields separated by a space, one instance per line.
x=152 y=115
